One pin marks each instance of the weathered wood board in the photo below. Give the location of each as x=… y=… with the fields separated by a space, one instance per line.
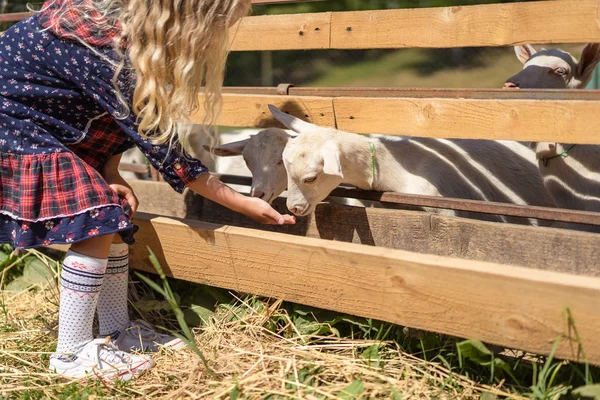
x=508 y=24
x=509 y=306
x=565 y=121
x=536 y=247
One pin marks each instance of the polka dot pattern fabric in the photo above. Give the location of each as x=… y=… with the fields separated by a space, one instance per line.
x=112 y=305
x=80 y=283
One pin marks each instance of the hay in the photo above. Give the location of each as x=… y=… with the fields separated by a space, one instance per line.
x=250 y=361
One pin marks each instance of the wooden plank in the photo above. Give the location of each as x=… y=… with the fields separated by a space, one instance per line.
x=545 y=248
x=249 y=110
x=509 y=306
x=14 y=17
x=436 y=93
x=132 y=167
x=542 y=22
x=522 y=120
x=566 y=121
x=505 y=24
x=282 y=32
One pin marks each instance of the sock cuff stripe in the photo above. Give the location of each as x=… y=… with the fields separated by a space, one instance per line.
x=112 y=264
x=84 y=274
x=79 y=287
x=114 y=271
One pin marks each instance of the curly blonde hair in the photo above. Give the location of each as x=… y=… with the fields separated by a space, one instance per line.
x=177 y=48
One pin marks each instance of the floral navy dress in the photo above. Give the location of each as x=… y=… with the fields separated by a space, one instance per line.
x=60 y=121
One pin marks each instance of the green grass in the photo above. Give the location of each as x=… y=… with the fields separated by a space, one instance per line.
x=425 y=68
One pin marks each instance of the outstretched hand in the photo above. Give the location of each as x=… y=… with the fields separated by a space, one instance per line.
x=212 y=188
x=261 y=211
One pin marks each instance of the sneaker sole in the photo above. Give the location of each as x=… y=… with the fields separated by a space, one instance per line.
x=124 y=376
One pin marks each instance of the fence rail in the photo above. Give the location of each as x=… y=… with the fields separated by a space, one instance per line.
x=506 y=24
x=492 y=302
x=565 y=121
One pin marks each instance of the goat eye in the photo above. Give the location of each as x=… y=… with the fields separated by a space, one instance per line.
x=560 y=71
x=280 y=162
x=309 y=180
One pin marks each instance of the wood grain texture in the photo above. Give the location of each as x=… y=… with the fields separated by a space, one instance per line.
x=545 y=248
x=566 y=121
x=510 y=306
x=542 y=22
x=251 y=110
x=523 y=120
x=282 y=32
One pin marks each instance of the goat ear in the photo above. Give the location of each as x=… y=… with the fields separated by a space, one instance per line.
x=331 y=159
x=524 y=52
x=590 y=57
x=291 y=122
x=229 y=149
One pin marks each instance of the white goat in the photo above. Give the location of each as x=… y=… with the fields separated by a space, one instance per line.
x=571 y=174
x=319 y=159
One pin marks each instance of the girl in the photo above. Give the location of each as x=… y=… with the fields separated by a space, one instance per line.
x=81 y=81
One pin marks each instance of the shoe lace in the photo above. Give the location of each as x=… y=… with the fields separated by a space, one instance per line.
x=109 y=353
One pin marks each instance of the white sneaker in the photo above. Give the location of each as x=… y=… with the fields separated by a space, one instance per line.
x=102 y=359
x=140 y=336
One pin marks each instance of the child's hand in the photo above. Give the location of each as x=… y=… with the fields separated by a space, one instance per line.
x=119 y=185
x=212 y=188
x=260 y=211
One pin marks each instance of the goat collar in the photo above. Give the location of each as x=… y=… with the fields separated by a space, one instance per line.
x=372 y=146
x=562 y=154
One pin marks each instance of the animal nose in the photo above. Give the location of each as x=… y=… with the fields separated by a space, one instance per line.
x=295 y=210
x=511 y=85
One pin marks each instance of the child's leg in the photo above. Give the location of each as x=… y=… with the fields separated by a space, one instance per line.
x=81 y=279
x=112 y=308
x=78 y=354
x=113 y=316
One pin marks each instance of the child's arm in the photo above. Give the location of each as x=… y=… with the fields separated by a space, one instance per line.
x=259 y=210
x=110 y=173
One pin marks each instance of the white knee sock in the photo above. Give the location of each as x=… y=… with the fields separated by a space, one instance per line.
x=112 y=306
x=80 y=280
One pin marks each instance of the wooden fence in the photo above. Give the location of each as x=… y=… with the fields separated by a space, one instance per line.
x=506 y=284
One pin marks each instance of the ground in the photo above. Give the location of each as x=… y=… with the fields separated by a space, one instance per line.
x=260 y=348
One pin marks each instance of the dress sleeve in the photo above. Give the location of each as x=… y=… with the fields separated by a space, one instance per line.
x=176 y=168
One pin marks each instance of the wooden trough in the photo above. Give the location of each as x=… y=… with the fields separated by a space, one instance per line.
x=511 y=285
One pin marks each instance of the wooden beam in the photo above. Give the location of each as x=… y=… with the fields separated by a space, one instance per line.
x=432 y=93
x=14 y=17
x=249 y=110
x=282 y=32
x=541 y=22
x=401 y=229
x=505 y=24
x=565 y=121
x=509 y=306
x=522 y=120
